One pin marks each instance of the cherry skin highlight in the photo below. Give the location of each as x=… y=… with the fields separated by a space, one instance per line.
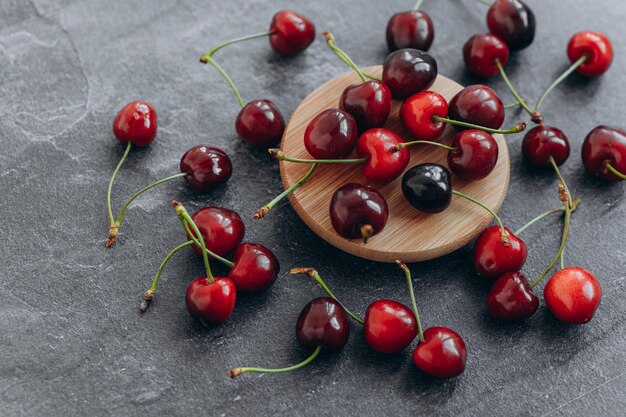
x=480 y=53
x=492 y=258
x=292 y=33
x=211 y=302
x=573 y=294
x=255 y=269
x=542 y=142
x=206 y=167
x=369 y=103
x=332 y=134
x=389 y=326
x=598 y=49
x=475 y=155
x=428 y=187
x=221 y=228
x=417 y=112
x=479 y=105
x=602 y=146
x=410 y=29
x=407 y=71
x=382 y=164
x=511 y=298
x=354 y=207
x=442 y=354
x=513 y=21
x=260 y=123
x=323 y=322
x=136 y=123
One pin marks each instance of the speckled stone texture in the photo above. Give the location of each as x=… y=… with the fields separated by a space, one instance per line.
x=73 y=342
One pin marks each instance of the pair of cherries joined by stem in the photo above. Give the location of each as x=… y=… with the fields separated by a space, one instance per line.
x=410 y=29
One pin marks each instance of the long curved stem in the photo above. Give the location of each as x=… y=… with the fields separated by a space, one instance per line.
x=238 y=371
x=512 y=89
x=399 y=147
x=520 y=127
x=263 y=210
x=112 y=228
x=503 y=235
x=330 y=41
x=486 y=2
x=207 y=59
x=570 y=203
x=514 y=104
x=278 y=155
x=556 y=82
x=615 y=171
x=185 y=218
x=538 y=218
x=409 y=281
x=236 y=40
x=210 y=253
x=418 y=4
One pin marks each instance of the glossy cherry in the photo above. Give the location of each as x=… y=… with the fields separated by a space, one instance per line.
x=260 y=123
x=513 y=21
x=542 y=142
x=389 y=326
x=511 y=298
x=573 y=294
x=291 y=32
x=480 y=53
x=428 y=187
x=410 y=29
x=206 y=167
x=442 y=354
x=211 y=302
x=417 y=112
x=255 y=269
x=332 y=134
x=136 y=123
x=358 y=211
x=479 y=105
x=382 y=164
x=598 y=49
x=475 y=154
x=323 y=323
x=605 y=146
x=493 y=258
x=407 y=71
x=221 y=228
x=369 y=103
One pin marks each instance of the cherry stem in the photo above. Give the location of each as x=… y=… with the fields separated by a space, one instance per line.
x=312 y=272
x=205 y=59
x=185 y=218
x=503 y=236
x=418 y=4
x=556 y=82
x=512 y=89
x=330 y=41
x=236 y=40
x=238 y=371
x=515 y=129
x=367 y=231
x=400 y=146
x=278 y=155
x=486 y=2
x=562 y=262
x=567 y=196
x=512 y=105
x=212 y=254
x=615 y=171
x=148 y=296
x=111 y=241
x=546 y=214
x=409 y=281
x=263 y=210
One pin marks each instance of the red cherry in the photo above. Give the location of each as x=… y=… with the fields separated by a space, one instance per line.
x=573 y=294
x=603 y=146
x=137 y=123
x=598 y=49
x=542 y=142
x=206 y=167
x=260 y=123
x=442 y=354
x=411 y=29
x=389 y=326
x=323 y=323
x=369 y=103
x=292 y=33
x=475 y=154
x=513 y=21
x=511 y=298
x=222 y=229
x=331 y=134
x=255 y=268
x=382 y=164
x=407 y=71
x=492 y=258
x=358 y=211
x=481 y=52
x=479 y=105
x=211 y=302
x=417 y=113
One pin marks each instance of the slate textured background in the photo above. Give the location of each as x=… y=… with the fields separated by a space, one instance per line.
x=72 y=339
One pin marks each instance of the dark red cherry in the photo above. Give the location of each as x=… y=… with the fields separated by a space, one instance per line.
x=428 y=187
x=481 y=52
x=323 y=322
x=442 y=354
x=331 y=134
x=222 y=229
x=136 y=123
x=411 y=29
x=407 y=71
x=260 y=123
x=542 y=142
x=513 y=21
x=292 y=33
x=511 y=298
x=369 y=103
x=475 y=154
x=603 y=146
x=417 y=112
x=358 y=211
x=255 y=269
x=211 y=302
x=598 y=49
x=492 y=258
x=206 y=167
x=389 y=326
x=573 y=294
x=479 y=105
x=382 y=164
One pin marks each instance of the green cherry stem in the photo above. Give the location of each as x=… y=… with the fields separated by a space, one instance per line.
x=113 y=228
x=512 y=89
x=418 y=4
x=236 y=40
x=330 y=41
x=486 y=2
x=567 y=195
x=520 y=127
x=503 y=237
x=185 y=218
x=399 y=147
x=312 y=272
x=409 y=281
x=615 y=172
x=278 y=155
x=546 y=214
x=210 y=253
x=238 y=371
x=514 y=104
x=562 y=261
x=205 y=59
x=556 y=82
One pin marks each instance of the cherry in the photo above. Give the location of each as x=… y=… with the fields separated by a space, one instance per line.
x=573 y=294
x=479 y=105
x=255 y=268
x=442 y=354
x=481 y=52
x=389 y=326
x=474 y=156
x=543 y=143
x=492 y=258
x=410 y=29
x=369 y=103
x=418 y=111
x=513 y=21
x=407 y=71
x=597 y=49
x=136 y=123
x=221 y=228
x=358 y=211
x=291 y=33
x=206 y=167
x=331 y=134
x=260 y=123
x=211 y=302
x=511 y=298
x=382 y=165
x=428 y=187
x=604 y=153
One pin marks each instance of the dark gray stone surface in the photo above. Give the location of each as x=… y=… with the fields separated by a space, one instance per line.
x=72 y=340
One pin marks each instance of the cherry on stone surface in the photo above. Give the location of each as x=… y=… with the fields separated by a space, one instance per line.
x=369 y=103
x=292 y=33
x=382 y=164
x=602 y=146
x=358 y=211
x=480 y=53
x=477 y=104
x=332 y=134
x=136 y=123
x=511 y=298
x=428 y=187
x=260 y=123
x=542 y=142
x=442 y=354
x=211 y=302
x=255 y=269
x=598 y=49
x=389 y=326
x=492 y=258
x=221 y=228
x=513 y=21
x=573 y=294
x=410 y=29
x=417 y=113
x=407 y=71
x=206 y=167
x=475 y=154
x=323 y=323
